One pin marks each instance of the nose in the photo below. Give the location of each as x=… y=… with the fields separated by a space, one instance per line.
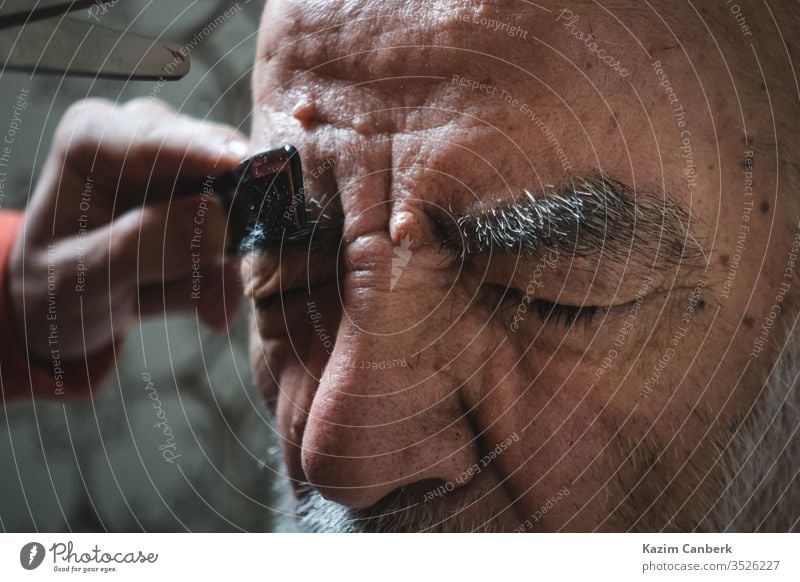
x=387 y=411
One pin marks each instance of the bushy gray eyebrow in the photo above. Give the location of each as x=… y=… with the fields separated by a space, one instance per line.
x=589 y=216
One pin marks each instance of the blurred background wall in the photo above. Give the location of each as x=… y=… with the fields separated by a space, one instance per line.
x=96 y=465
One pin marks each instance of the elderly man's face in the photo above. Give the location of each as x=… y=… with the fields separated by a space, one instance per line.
x=547 y=241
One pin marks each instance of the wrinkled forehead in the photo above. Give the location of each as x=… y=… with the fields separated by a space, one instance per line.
x=363 y=39
x=349 y=39
x=552 y=54
x=372 y=40
x=564 y=87
x=351 y=57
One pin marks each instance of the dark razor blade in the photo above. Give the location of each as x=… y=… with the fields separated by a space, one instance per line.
x=265 y=200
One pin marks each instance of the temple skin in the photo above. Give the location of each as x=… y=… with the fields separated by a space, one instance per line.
x=409 y=118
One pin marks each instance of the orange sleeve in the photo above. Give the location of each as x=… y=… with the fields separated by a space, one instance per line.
x=22 y=377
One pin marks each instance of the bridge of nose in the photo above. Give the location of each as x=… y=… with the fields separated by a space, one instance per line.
x=383 y=416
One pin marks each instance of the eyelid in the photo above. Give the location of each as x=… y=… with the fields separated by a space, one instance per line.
x=550 y=312
x=573 y=284
x=572 y=314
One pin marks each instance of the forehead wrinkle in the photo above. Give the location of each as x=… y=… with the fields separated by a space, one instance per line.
x=594 y=215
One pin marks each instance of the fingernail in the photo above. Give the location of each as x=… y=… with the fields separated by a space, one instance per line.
x=238 y=147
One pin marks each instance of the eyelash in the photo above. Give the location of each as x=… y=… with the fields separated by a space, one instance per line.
x=571 y=314
x=506 y=298
x=551 y=313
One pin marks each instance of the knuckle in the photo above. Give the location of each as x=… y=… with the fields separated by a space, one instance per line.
x=74 y=129
x=122 y=242
x=147 y=106
x=90 y=106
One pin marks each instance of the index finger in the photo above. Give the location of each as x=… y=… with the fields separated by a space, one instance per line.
x=145 y=146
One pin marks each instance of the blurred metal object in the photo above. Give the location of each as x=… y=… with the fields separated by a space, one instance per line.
x=38 y=37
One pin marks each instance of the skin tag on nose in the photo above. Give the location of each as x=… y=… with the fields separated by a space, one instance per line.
x=264 y=200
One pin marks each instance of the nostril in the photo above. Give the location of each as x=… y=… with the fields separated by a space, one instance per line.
x=369 y=434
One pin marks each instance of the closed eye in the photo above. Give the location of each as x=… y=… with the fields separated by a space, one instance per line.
x=570 y=314
x=508 y=301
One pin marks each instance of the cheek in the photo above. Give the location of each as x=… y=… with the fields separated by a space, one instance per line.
x=290 y=345
x=288 y=386
x=544 y=404
x=544 y=390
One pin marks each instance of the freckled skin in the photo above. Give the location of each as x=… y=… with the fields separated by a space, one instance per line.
x=408 y=145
